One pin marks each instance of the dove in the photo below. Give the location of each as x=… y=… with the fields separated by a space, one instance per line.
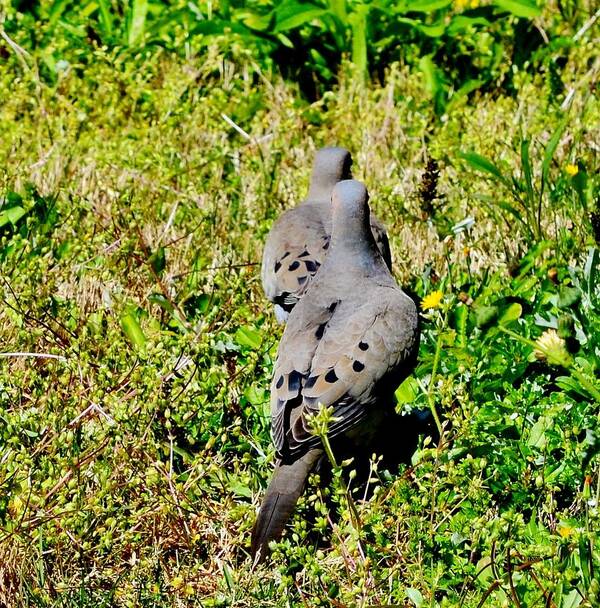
x=348 y=343
x=299 y=240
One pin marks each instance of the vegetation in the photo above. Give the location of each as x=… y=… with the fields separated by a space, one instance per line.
x=146 y=149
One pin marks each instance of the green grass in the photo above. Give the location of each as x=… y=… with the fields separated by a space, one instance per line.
x=135 y=449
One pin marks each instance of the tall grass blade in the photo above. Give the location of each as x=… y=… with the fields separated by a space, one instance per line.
x=105 y=19
x=482 y=164
x=137 y=21
x=358 y=21
x=338 y=8
x=551 y=149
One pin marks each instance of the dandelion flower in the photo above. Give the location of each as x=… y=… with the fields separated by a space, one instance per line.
x=432 y=300
x=565 y=531
x=572 y=170
x=552 y=348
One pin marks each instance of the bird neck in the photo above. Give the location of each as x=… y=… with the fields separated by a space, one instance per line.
x=352 y=241
x=320 y=188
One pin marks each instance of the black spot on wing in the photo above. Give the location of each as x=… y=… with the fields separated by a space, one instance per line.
x=285 y=255
x=302 y=280
x=277 y=266
x=279 y=382
x=331 y=376
x=294 y=265
x=294 y=381
x=311 y=266
x=333 y=306
x=363 y=345
x=312 y=380
x=357 y=366
x=303 y=254
x=320 y=331
x=326 y=245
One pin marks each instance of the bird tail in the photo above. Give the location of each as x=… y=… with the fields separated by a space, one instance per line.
x=280 y=499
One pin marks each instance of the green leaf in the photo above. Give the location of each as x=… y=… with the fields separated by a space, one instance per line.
x=567 y=296
x=292 y=14
x=256 y=395
x=247 y=336
x=551 y=148
x=485 y=315
x=510 y=313
x=12 y=215
x=460 y=23
x=572 y=599
x=132 y=329
x=137 y=21
x=158 y=260
x=160 y=300
x=424 y=6
x=256 y=21
x=415 y=596
x=407 y=392
x=461 y=316
x=519 y=8
x=537 y=435
x=435 y=30
x=480 y=163
x=56 y=12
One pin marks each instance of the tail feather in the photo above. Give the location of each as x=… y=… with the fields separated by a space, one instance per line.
x=280 y=499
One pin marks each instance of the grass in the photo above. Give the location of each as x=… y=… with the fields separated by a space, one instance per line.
x=135 y=447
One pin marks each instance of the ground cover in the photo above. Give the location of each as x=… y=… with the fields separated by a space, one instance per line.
x=137 y=188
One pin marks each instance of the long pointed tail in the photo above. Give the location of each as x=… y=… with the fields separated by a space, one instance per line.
x=280 y=499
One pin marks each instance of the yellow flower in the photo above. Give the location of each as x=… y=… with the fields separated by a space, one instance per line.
x=189 y=589
x=572 y=170
x=565 y=531
x=177 y=582
x=552 y=348
x=462 y=4
x=432 y=300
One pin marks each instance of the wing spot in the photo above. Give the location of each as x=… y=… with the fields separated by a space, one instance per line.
x=285 y=255
x=357 y=366
x=331 y=376
x=320 y=331
x=311 y=266
x=279 y=382
x=277 y=266
x=311 y=381
x=295 y=264
x=294 y=381
x=333 y=306
x=363 y=345
x=302 y=280
x=303 y=254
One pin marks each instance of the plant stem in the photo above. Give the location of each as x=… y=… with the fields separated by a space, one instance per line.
x=351 y=504
x=430 y=395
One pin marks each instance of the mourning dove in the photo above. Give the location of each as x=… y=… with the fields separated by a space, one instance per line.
x=298 y=242
x=349 y=342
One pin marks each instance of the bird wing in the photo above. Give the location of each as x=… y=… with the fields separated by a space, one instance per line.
x=295 y=248
x=339 y=361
